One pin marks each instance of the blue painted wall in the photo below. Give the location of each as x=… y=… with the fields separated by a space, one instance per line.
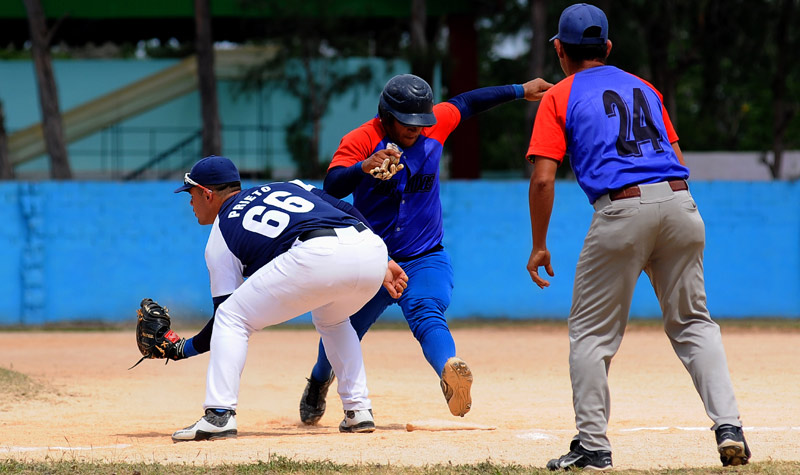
x=80 y=80
x=88 y=250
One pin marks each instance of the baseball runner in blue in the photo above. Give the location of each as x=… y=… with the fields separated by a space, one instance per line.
x=390 y=165
x=625 y=155
x=277 y=251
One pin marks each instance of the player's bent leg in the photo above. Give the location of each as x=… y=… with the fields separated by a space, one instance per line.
x=313 y=401
x=608 y=268
x=676 y=273
x=362 y=269
x=424 y=304
x=430 y=287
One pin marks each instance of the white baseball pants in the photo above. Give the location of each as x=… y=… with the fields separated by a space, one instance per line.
x=332 y=277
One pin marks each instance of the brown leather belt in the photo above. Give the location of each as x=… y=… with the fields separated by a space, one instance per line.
x=634 y=191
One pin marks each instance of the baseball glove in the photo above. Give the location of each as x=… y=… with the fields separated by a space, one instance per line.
x=154 y=337
x=389 y=166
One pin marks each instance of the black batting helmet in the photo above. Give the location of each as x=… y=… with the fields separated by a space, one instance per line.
x=409 y=99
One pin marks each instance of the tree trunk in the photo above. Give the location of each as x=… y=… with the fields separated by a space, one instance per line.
x=659 y=36
x=781 y=115
x=465 y=140
x=538 y=21
x=6 y=170
x=52 y=127
x=315 y=111
x=207 y=81
x=421 y=58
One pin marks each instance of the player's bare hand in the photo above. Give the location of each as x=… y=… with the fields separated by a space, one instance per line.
x=540 y=258
x=395 y=280
x=535 y=88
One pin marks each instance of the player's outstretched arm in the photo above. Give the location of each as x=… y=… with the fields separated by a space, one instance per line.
x=396 y=280
x=535 y=89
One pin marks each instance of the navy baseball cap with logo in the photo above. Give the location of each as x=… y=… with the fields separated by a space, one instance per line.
x=212 y=170
x=582 y=24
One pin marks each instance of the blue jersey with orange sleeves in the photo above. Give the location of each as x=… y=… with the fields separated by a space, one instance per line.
x=613 y=125
x=405 y=211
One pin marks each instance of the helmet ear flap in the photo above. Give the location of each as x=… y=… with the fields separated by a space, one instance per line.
x=386 y=117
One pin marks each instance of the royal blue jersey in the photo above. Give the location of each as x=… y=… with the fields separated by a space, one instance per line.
x=257 y=224
x=613 y=125
x=405 y=210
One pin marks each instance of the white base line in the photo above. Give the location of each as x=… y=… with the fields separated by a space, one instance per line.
x=746 y=429
x=544 y=434
x=33 y=449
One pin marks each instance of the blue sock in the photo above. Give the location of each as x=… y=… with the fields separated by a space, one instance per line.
x=322 y=370
x=438 y=346
x=188 y=348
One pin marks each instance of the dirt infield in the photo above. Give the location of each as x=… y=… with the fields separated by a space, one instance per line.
x=89 y=407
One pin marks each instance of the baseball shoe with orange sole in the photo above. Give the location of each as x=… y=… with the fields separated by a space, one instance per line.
x=456 y=383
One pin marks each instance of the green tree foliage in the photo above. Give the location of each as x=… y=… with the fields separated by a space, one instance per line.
x=725 y=68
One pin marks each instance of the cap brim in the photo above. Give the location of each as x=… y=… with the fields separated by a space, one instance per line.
x=183 y=188
x=416 y=120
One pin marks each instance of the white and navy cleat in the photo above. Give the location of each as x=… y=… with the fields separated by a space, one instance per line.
x=213 y=425
x=357 y=421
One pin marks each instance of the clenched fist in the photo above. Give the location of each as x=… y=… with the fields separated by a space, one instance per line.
x=384 y=164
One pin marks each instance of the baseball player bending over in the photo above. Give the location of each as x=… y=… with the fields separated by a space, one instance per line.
x=625 y=155
x=390 y=165
x=300 y=250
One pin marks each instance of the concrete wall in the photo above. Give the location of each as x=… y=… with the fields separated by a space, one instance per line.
x=108 y=154
x=92 y=251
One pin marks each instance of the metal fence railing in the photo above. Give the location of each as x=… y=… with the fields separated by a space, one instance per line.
x=145 y=153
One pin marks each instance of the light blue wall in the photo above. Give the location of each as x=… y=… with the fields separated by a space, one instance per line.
x=79 y=81
x=88 y=250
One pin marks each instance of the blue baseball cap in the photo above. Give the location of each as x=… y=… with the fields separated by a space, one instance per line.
x=212 y=170
x=582 y=24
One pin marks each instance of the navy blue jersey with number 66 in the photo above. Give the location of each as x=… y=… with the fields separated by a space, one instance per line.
x=257 y=224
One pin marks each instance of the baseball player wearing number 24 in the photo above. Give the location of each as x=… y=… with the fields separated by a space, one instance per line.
x=275 y=252
x=405 y=210
x=625 y=155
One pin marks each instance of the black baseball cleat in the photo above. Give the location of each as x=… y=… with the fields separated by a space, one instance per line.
x=312 y=404
x=211 y=426
x=732 y=447
x=579 y=458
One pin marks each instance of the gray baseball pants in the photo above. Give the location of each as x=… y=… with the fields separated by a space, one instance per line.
x=660 y=232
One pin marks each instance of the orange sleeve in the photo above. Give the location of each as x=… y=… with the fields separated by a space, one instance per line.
x=671 y=134
x=549 y=138
x=447 y=119
x=358 y=144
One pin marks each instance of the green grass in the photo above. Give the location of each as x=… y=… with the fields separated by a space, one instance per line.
x=15 y=384
x=283 y=465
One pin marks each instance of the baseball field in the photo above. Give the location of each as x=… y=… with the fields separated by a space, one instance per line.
x=71 y=404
